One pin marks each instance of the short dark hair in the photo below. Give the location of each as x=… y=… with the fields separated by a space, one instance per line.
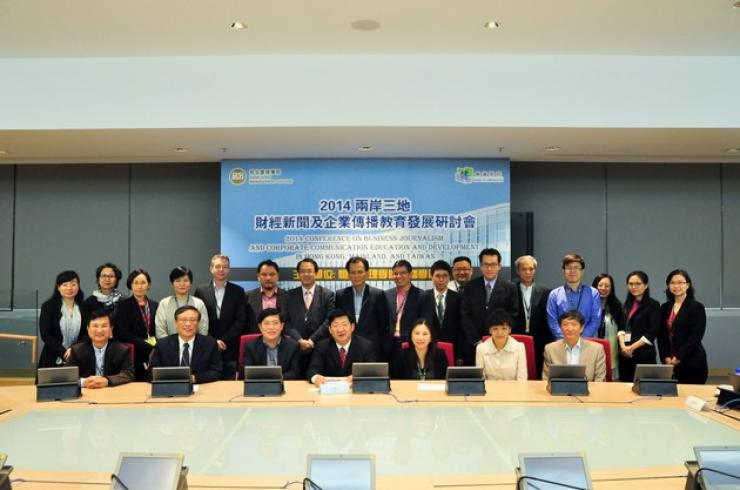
x=440 y=265
x=402 y=263
x=572 y=315
x=185 y=308
x=137 y=272
x=357 y=260
x=100 y=313
x=66 y=276
x=338 y=313
x=310 y=261
x=498 y=317
x=489 y=251
x=180 y=271
x=268 y=263
x=108 y=265
x=462 y=258
x=571 y=258
x=269 y=312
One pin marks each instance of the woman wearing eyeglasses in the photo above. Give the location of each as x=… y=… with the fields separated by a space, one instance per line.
x=107 y=295
x=682 y=325
x=637 y=339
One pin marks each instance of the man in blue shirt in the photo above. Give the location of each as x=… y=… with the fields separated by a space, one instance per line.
x=574 y=295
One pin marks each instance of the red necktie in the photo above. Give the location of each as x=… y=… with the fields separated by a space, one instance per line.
x=342 y=356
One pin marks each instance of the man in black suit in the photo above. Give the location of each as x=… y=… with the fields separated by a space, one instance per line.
x=272 y=349
x=443 y=308
x=189 y=348
x=405 y=303
x=462 y=273
x=532 y=308
x=227 y=312
x=333 y=357
x=365 y=304
x=267 y=295
x=102 y=360
x=483 y=295
x=308 y=307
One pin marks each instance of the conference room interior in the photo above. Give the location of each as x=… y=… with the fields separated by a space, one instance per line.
x=620 y=142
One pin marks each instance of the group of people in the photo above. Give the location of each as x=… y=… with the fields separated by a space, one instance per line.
x=316 y=334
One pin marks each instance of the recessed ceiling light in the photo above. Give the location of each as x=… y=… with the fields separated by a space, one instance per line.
x=3 y=152
x=492 y=24
x=552 y=148
x=181 y=149
x=365 y=148
x=238 y=25
x=365 y=25
x=732 y=150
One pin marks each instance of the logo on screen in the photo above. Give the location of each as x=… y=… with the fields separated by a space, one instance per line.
x=469 y=175
x=237 y=176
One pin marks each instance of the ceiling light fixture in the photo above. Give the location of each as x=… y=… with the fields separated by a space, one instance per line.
x=238 y=25
x=3 y=152
x=366 y=148
x=552 y=148
x=732 y=150
x=492 y=24
x=181 y=149
x=365 y=25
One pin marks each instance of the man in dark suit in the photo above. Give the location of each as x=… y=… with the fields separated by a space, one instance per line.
x=272 y=348
x=102 y=360
x=405 y=304
x=308 y=307
x=462 y=273
x=333 y=357
x=227 y=312
x=532 y=308
x=267 y=295
x=365 y=304
x=189 y=348
x=483 y=295
x=443 y=308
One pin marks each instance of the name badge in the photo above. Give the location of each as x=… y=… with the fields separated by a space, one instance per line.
x=628 y=337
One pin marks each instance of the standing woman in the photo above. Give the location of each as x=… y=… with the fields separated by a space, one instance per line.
x=682 y=325
x=637 y=339
x=135 y=320
x=107 y=295
x=62 y=321
x=181 y=280
x=422 y=360
x=612 y=318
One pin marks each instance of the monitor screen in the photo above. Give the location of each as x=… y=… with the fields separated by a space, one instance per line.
x=653 y=371
x=145 y=472
x=370 y=370
x=561 y=468
x=66 y=374
x=464 y=372
x=568 y=371
x=171 y=373
x=722 y=458
x=342 y=472
x=263 y=372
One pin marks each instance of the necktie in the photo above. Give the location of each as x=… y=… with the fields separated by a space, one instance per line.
x=307 y=299
x=488 y=292
x=342 y=356
x=440 y=307
x=98 y=367
x=185 y=361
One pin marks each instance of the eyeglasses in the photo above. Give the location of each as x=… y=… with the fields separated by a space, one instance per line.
x=188 y=320
x=677 y=283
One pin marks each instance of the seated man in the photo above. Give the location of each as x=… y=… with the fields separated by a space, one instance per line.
x=102 y=360
x=333 y=357
x=272 y=348
x=189 y=348
x=572 y=349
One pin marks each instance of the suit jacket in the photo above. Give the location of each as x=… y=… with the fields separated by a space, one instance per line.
x=255 y=354
x=230 y=326
x=325 y=358
x=404 y=365
x=592 y=356
x=414 y=308
x=130 y=328
x=117 y=365
x=688 y=330
x=449 y=330
x=51 y=332
x=643 y=323
x=475 y=310
x=538 y=327
x=205 y=360
x=311 y=324
x=254 y=306
x=373 y=322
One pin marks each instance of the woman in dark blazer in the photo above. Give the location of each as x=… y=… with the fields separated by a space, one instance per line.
x=642 y=314
x=106 y=296
x=135 y=320
x=62 y=321
x=422 y=359
x=682 y=325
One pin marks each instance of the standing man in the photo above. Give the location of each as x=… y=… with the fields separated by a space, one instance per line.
x=462 y=273
x=365 y=304
x=532 y=311
x=267 y=295
x=405 y=305
x=483 y=295
x=443 y=307
x=308 y=306
x=227 y=312
x=574 y=295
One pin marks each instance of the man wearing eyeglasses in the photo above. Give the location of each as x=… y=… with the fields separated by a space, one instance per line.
x=574 y=295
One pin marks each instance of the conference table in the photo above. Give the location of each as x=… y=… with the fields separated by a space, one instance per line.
x=421 y=437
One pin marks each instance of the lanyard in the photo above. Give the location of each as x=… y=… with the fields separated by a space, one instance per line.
x=146 y=314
